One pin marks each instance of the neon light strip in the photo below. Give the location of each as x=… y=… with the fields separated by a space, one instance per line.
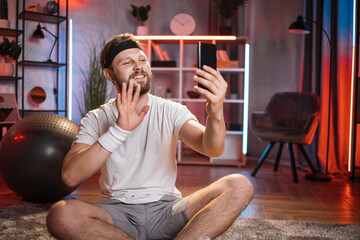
x=246 y=98
x=353 y=79
x=70 y=71
x=351 y=107
x=173 y=37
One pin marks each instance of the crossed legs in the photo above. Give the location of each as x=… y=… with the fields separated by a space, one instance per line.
x=211 y=211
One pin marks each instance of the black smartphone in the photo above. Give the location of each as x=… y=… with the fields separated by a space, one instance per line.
x=206 y=55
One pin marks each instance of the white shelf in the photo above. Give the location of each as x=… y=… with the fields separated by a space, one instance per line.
x=179 y=85
x=166 y=69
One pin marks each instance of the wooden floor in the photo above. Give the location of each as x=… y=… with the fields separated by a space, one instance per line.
x=276 y=196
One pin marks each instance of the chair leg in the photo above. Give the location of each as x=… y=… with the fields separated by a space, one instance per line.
x=263 y=157
x=292 y=161
x=278 y=155
x=306 y=156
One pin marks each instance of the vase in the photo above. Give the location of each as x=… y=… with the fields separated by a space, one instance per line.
x=6 y=69
x=4 y=23
x=142 y=30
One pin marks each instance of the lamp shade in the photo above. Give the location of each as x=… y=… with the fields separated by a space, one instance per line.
x=38 y=33
x=299 y=26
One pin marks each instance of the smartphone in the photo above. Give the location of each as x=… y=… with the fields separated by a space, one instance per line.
x=206 y=55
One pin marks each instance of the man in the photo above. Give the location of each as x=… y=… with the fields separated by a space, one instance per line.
x=133 y=140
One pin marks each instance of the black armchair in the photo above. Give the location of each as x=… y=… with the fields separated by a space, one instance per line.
x=289 y=117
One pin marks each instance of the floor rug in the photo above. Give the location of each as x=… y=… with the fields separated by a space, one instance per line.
x=27 y=221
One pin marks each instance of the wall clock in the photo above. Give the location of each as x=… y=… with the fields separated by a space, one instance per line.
x=182 y=24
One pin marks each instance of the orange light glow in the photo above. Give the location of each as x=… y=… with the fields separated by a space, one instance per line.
x=178 y=37
x=351 y=108
x=19 y=137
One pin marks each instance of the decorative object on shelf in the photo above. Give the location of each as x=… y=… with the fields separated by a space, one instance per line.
x=38 y=94
x=34 y=8
x=226 y=9
x=4 y=22
x=168 y=93
x=52 y=7
x=141 y=14
x=163 y=59
x=233 y=93
x=235 y=127
x=157 y=63
x=192 y=94
x=10 y=51
x=223 y=60
x=9 y=112
x=182 y=24
x=38 y=33
x=94 y=82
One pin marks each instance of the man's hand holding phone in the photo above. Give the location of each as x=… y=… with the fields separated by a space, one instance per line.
x=210 y=82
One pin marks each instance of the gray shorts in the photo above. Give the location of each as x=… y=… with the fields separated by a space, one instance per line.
x=162 y=219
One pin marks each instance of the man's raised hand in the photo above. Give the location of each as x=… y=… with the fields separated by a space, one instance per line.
x=126 y=102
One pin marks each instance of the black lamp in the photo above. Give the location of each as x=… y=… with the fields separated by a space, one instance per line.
x=300 y=27
x=38 y=33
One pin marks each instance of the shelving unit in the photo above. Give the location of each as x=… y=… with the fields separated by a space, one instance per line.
x=183 y=50
x=59 y=65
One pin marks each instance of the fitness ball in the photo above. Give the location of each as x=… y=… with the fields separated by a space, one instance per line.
x=31 y=156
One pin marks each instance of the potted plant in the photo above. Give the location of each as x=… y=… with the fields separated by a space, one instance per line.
x=226 y=9
x=4 y=22
x=141 y=14
x=10 y=51
x=95 y=83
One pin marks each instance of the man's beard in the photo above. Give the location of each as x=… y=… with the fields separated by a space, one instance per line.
x=145 y=87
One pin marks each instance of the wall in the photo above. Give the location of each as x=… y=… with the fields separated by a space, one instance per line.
x=275 y=57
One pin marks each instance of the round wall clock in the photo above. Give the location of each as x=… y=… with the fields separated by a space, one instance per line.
x=182 y=24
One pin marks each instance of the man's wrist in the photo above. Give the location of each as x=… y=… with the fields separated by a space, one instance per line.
x=113 y=138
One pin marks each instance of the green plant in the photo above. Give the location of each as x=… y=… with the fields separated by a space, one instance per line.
x=227 y=8
x=141 y=13
x=4 y=9
x=10 y=50
x=95 y=83
x=233 y=90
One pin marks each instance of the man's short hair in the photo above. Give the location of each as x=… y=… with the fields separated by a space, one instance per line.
x=116 y=45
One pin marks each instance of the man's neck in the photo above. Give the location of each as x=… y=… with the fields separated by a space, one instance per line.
x=143 y=99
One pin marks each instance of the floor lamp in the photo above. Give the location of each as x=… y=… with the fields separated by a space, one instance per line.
x=300 y=27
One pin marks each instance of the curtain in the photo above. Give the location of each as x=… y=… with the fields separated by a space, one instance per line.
x=330 y=73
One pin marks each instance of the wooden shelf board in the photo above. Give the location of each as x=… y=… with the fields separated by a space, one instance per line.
x=9 y=32
x=42 y=111
x=41 y=17
x=42 y=64
x=3 y=78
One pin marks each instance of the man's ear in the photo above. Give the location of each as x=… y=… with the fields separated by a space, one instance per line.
x=108 y=75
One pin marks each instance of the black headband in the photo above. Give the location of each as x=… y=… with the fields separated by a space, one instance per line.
x=119 y=48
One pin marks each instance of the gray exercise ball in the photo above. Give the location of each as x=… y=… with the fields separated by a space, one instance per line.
x=31 y=156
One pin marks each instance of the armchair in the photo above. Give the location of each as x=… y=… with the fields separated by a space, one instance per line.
x=289 y=117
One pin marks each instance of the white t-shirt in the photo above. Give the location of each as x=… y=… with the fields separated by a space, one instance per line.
x=143 y=168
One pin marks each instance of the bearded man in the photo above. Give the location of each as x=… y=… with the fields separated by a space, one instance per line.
x=133 y=140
